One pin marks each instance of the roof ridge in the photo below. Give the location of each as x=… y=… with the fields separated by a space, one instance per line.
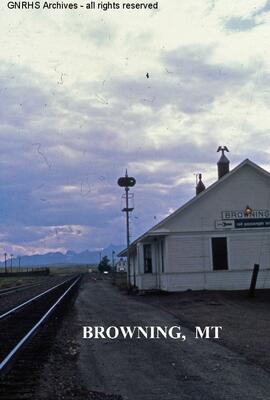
x=197 y=197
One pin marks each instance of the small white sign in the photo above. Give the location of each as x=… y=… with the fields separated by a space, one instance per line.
x=227 y=224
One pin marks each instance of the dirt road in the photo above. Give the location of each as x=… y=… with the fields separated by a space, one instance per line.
x=162 y=369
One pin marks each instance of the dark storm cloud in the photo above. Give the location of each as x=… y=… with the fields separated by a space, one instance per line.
x=189 y=80
x=194 y=63
x=20 y=96
x=198 y=75
x=30 y=170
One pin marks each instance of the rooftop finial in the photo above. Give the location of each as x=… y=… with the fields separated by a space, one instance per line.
x=222 y=148
x=223 y=162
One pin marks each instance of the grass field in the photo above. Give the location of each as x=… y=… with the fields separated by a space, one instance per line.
x=55 y=269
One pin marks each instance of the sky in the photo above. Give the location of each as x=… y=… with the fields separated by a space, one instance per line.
x=76 y=110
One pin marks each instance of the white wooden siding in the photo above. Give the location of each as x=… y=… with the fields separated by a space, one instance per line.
x=216 y=280
x=247 y=250
x=190 y=253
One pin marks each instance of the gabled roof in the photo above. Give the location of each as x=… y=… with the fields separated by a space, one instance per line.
x=157 y=229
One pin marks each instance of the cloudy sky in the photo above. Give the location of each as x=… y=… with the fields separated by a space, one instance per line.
x=76 y=109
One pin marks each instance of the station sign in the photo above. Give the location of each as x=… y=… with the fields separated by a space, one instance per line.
x=252 y=223
x=240 y=214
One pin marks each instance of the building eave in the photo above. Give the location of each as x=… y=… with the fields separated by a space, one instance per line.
x=154 y=234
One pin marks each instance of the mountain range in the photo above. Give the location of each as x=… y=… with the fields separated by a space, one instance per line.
x=70 y=257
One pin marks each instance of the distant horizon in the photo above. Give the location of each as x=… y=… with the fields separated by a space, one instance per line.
x=98 y=251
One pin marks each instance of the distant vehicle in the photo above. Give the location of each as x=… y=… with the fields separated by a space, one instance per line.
x=105 y=272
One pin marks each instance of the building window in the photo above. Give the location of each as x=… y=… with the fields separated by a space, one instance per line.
x=162 y=255
x=147 y=256
x=219 y=253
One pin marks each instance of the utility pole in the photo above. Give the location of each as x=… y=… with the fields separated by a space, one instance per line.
x=113 y=253
x=5 y=262
x=128 y=182
x=19 y=263
x=11 y=255
x=100 y=255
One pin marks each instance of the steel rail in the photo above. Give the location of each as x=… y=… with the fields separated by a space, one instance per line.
x=19 y=345
x=17 y=288
x=32 y=299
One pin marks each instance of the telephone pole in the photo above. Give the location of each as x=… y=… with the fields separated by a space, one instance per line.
x=5 y=262
x=113 y=254
x=11 y=255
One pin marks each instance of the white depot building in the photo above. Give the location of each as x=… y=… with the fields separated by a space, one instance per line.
x=212 y=241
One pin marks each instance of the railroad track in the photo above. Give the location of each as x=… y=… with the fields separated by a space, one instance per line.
x=14 y=289
x=26 y=333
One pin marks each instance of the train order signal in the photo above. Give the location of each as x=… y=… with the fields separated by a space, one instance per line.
x=126 y=181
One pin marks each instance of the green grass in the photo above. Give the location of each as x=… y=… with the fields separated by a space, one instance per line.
x=15 y=281
x=55 y=269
